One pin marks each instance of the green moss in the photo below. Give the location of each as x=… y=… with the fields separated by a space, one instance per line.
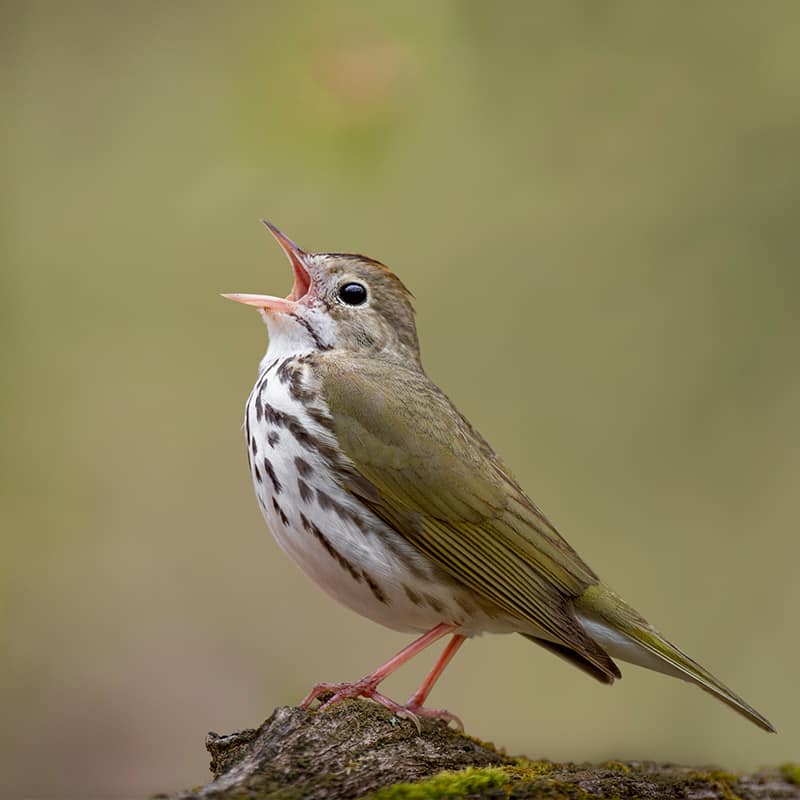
x=471 y=781
x=544 y=780
x=446 y=784
x=726 y=781
x=791 y=772
x=523 y=769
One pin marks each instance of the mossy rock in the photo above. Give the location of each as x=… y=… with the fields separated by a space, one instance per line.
x=359 y=750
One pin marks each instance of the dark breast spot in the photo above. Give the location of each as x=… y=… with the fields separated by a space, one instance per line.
x=302 y=435
x=434 y=603
x=375 y=589
x=279 y=511
x=299 y=393
x=285 y=370
x=273 y=437
x=274 y=416
x=303 y=467
x=412 y=595
x=328 y=452
x=291 y=372
x=327 y=503
x=282 y=419
x=321 y=418
x=330 y=549
x=276 y=484
x=305 y=490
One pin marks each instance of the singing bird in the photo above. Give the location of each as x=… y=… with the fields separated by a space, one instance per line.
x=386 y=496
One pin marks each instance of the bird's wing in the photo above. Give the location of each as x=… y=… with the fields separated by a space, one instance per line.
x=425 y=471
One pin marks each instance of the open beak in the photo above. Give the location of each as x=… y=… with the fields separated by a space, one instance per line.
x=300 y=287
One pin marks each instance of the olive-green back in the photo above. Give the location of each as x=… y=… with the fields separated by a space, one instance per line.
x=435 y=480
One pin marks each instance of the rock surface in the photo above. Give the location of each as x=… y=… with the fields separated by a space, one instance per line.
x=358 y=750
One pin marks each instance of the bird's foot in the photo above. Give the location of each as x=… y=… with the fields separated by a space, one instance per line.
x=365 y=687
x=433 y=713
x=368 y=687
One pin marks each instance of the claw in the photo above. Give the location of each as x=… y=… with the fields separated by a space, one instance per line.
x=435 y=713
x=368 y=685
x=362 y=688
x=404 y=713
x=319 y=689
x=327 y=704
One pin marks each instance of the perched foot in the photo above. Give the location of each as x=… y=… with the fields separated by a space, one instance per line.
x=432 y=713
x=365 y=687
x=368 y=687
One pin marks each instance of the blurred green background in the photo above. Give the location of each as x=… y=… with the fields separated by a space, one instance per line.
x=597 y=199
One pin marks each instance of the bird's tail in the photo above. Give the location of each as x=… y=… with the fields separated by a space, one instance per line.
x=626 y=635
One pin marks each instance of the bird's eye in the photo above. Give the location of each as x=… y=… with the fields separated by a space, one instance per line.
x=353 y=294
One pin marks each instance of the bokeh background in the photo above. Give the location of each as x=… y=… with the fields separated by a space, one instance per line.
x=597 y=201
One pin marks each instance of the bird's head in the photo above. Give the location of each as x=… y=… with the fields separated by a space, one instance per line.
x=338 y=301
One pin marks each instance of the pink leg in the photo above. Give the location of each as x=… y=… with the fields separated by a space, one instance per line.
x=421 y=695
x=415 y=703
x=368 y=685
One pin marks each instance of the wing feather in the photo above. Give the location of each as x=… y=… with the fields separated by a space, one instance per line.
x=421 y=467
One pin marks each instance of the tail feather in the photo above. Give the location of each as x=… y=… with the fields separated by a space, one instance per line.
x=578 y=659
x=626 y=635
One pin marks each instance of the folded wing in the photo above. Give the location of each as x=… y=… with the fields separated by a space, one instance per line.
x=425 y=471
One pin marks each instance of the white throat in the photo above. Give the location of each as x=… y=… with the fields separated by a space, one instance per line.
x=312 y=329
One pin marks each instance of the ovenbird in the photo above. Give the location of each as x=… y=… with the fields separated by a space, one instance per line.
x=386 y=496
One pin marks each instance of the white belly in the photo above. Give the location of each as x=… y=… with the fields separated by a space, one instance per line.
x=332 y=536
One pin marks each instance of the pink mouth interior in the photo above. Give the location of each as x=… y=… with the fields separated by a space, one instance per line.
x=302 y=281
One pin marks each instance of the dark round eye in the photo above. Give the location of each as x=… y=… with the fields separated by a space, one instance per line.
x=354 y=294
